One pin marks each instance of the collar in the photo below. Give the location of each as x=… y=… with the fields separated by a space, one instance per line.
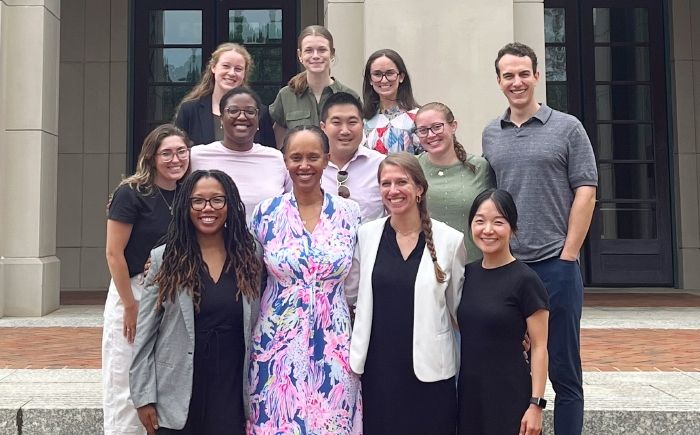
x=335 y=87
x=543 y=114
x=362 y=151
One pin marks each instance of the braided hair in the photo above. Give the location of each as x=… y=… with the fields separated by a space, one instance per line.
x=409 y=164
x=449 y=118
x=182 y=259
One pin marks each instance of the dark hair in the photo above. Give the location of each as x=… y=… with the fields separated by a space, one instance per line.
x=450 y=118
x=299 y=82
x=338 y=99
x=409 y=163
x=404 y=95
x=325 y=145
x=182 y=258
x=504 y=204
x=517 y=49
x=235 y=91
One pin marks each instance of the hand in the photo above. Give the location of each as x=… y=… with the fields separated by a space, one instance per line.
x=531 y=423
x=130 y=314
x=526 y=347
x=145 y=269
x=148 y=417
x=568 y=257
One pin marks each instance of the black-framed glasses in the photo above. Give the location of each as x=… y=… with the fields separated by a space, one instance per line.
x=436 y=128
x=377 y=76
x=199 y=204
x=342 y=178
x=168 y=155
x=248 y=112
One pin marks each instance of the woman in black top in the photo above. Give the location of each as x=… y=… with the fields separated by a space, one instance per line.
x=498 y=392
x=137 y=217
x=198 y=114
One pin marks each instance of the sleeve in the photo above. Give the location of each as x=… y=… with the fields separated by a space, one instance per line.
x=125 y=205
x=582 y=166
x=489 y=178
x=277 y=110
x=266 y=134
x=352 y=281
x=142 y=374
x=532 y=295
x=182 y=118
x=454 y=287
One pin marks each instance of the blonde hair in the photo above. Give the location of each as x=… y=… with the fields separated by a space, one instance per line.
x=299 y=83
x=409 y=164
x=206 y=82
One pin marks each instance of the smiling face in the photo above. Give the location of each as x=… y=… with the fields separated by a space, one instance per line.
x=386 y=68
x=344 y=128
x=305 y=160
x=229 y=71
x=239 y=130
x=517 y=80
x=208 y=221
x=491 y=231
x=173 y=170
x=438 y=144
x=399 y=192
x=315 y=54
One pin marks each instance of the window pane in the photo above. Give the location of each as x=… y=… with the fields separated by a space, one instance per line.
x=175 y=64
x=623 y=102
x=555 y=58
x=175 y=27
x=162 y=102
x=628 y=221
x=268 y=63
x=267 y=92
x=620 y=25
x=554 y=25
x=624 y=141
x=621 y=63
x=255 y=26
x=626 y=181
x=557 y=96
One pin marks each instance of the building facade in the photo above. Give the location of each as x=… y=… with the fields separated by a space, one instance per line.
x=82 y=81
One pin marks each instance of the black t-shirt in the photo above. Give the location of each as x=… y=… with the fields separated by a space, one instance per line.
x=150 y=217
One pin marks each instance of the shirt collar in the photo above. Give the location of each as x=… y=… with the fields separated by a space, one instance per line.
x=543 y=114
x=362 y=151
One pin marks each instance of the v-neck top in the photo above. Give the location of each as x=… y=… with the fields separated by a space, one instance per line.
x=218 y=306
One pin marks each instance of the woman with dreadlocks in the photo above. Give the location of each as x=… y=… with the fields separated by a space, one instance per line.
x=196 y=314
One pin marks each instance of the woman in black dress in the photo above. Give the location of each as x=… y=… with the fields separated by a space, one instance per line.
x=499 y=392
x=410 y=278
x=196 y=315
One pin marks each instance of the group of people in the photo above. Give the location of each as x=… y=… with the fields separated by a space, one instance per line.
x=367 y=278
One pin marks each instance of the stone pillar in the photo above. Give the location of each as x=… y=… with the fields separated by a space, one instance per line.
x=528 y=28
x=345 y=20
x=29 y=38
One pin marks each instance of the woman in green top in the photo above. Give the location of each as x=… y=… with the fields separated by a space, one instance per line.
x=300 y=102
x=455 y=177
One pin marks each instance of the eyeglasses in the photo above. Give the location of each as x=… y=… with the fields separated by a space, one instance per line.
x=168 y=155
x=199 y=204
x=390 y=75
x=436 y=128
x=249 y=112
x=343 y=190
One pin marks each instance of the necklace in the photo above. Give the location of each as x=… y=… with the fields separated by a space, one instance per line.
x=407 y=233
x=170 y=206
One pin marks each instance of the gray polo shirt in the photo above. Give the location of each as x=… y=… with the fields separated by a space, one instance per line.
x=540 y=163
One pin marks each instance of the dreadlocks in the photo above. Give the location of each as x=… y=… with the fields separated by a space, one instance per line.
x=182 y=258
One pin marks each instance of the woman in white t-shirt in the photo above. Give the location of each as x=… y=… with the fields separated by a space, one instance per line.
x=258 y=171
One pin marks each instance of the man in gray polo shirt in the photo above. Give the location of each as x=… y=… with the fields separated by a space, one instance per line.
x=544 y=158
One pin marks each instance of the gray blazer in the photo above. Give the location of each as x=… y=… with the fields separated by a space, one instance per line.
x=162 y=368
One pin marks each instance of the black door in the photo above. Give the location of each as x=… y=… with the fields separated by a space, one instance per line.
x=173 y=39
x=606 y=65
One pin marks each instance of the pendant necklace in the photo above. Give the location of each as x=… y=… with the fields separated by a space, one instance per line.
x=170 y=206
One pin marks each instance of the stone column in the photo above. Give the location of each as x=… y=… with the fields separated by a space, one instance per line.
x=29 y=39
x=345 y=20
x=528 y=28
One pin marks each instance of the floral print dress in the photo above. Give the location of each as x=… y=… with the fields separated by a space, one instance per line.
x=300 y=376
x=391 y=131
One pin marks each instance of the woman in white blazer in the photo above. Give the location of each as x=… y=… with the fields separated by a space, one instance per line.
x=196 y=315
x=411 y=270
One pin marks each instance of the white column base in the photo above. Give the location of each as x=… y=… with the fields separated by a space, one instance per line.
x=31 y=286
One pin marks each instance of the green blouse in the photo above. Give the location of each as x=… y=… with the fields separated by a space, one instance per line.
x=451 y=192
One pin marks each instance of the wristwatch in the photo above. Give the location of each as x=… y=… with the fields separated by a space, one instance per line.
x=539 y=401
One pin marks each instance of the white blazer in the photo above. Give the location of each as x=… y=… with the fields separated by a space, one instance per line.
x=435 y=304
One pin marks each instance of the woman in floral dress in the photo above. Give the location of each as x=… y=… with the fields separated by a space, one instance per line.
x=300 y=378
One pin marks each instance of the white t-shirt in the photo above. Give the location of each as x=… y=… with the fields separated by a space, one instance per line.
x=259 y=173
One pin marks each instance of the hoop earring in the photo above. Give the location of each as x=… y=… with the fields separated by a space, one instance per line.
x=418 y=199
